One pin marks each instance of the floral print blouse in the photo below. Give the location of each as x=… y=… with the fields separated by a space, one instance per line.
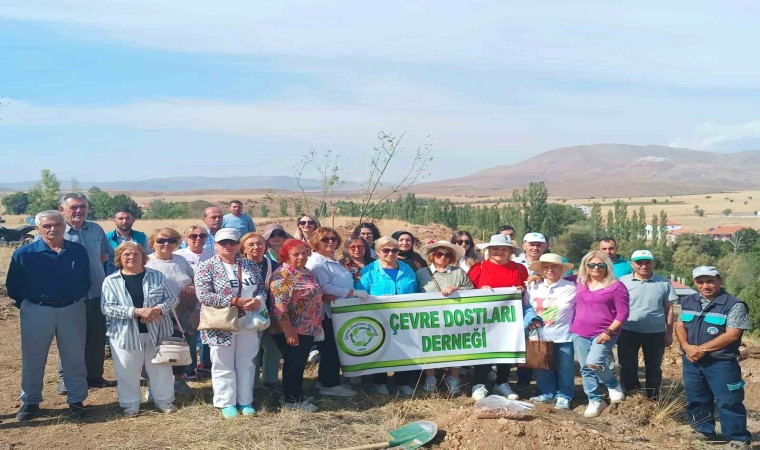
x=297 y=298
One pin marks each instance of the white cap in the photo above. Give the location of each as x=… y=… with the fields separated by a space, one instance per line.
x=705 y=271
x=534 y=237
x=642 y=255
x=227 y=234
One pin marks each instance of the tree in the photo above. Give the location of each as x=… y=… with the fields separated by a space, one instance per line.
x=597 y=226
x=380 y=164
x=16 y=203
x=264 y=210
x=43 y=196
x=727 y=212
x=283 y=207
x=751 y=296
x=575 y=242
x=744 y=239
x=329 y=172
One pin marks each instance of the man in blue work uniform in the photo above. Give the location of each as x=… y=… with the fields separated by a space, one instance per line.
x=710 y=332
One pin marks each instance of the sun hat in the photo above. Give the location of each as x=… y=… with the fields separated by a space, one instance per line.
x=498 y=240
x=640 y=255
x=549 y=258
x=227 y=234
x=269 y=229
x=534 y=237
x=705 y=271
x=458 y=251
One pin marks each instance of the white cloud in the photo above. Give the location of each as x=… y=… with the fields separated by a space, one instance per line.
x=721 y=137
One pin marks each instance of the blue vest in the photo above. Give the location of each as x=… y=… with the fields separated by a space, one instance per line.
x=705 y=325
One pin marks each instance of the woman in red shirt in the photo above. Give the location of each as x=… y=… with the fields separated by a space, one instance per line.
x=497 y=271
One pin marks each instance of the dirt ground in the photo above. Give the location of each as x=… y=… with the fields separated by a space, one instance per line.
x=636 y=423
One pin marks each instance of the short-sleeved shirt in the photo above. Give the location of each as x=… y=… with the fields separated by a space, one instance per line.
x=647 y=301
x=621 y=267
x=738 y=315
x=93 y=238
x=242 y=223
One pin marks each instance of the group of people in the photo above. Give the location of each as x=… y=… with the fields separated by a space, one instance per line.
x=161 y=285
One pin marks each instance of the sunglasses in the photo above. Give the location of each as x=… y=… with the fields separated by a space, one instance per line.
x=167 y=241
x=328 y=239
x=643 y=262
x=198 y=236
x=356 y=247
x=442 y=255
x=278 y=233
x=228 y=242
x=596 y=265
x=463 y=242
x=307 y=222
x=385 y=251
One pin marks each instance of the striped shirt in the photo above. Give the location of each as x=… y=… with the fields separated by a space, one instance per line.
x=117 y=306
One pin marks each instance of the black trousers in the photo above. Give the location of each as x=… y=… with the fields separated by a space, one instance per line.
x=329 y=363
x=94 y=347
x=294 y=363
x=653 y=346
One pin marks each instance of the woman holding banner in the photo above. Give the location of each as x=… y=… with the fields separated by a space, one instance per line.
x=336 y=282
x=389 y=276
x=443 y=276
x=499 y=271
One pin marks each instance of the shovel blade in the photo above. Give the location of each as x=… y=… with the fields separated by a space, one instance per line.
x=413 y=435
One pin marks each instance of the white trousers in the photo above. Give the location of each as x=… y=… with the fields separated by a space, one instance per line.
x=128 y=365
x=233 y=370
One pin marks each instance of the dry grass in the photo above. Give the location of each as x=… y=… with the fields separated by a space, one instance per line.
x=671 y=404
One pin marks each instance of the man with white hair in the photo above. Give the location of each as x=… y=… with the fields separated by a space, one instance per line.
x=49 y=280
x=75 y=207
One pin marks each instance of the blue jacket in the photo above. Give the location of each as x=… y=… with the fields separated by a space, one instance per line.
x=377 y=282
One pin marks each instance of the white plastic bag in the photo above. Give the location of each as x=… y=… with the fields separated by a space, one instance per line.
x=496 y=407
x=257 y=319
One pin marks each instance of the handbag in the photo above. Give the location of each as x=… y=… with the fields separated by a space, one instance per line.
x=539 y=354
x=223 y=318
x=173 y=351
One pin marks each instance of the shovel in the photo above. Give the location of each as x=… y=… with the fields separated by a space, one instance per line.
x=409 y=437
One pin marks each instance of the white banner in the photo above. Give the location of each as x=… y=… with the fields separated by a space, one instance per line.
x=425 y=331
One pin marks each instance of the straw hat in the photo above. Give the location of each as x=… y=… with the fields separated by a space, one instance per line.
x=458 y=251
x=499 y=240
x=549 y=258
x=271 y=227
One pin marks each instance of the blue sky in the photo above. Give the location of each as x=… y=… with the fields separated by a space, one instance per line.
x=113 y=90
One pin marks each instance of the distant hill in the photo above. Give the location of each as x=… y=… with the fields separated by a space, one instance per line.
x=614 y=170
x=179 y=184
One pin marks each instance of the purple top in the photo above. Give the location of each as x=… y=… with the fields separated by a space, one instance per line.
x=596 y=310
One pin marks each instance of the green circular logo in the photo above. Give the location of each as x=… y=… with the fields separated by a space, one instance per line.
x=361 y=336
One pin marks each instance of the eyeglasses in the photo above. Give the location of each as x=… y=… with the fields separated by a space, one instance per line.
x=596 y=265
x=167 y=240
x=442 y=255
x=226 y=242
x=463 y=242
x=356 y=247
x=385 y=251
x=197 y=236
x=328 y=239
x=307 y=222
x=278 y=233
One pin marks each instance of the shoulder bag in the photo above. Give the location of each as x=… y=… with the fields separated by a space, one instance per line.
x=173 y=351
x=222 y=318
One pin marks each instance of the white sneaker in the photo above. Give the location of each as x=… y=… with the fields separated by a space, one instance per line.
x=313 y=357
x=382 y=389
x=405 y=390
x=616 y=395
x=337 y=391
x=504 y=390
x=430 y=384
x=594 y=408
x=562 y=403
x=454 y=385
x=479 y=392
x=304 y=406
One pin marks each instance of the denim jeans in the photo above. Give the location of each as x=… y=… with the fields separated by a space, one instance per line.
x=589 y=352
x=653 y=346
x=710 y=383
x=560 y=381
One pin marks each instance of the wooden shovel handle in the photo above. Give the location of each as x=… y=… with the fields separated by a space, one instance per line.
x=367 y=446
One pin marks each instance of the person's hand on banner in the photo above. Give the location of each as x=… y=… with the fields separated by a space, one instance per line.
x=449 y=290
x=363 y=295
